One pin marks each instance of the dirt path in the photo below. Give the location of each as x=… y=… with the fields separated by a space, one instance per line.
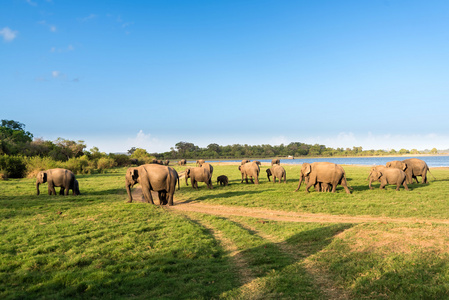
x=279 y=215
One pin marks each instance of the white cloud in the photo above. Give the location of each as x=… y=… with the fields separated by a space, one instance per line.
x=62 y=50
x=55 y=74
x=147 y=142
x=8 y=34
x=88 y=18
x=51 y=27
x=31 y=3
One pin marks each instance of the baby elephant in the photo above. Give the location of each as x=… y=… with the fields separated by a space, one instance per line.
x=388 y=176
x=222 y=180
x=277 y=172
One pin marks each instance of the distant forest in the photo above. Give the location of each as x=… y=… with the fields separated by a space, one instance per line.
x=295 y=149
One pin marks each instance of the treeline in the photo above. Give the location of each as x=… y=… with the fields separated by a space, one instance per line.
x=22 y=155
x=296 y=149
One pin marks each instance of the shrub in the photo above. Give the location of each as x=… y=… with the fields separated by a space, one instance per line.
x=36 y=164
x=105 y=163
x=78 y=165
x=13 y=166
x=121 y=160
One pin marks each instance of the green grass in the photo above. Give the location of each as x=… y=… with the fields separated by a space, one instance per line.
x=97 y=246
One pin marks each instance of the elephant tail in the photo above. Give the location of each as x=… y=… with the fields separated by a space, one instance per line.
x=430 y=173
x=179 y=185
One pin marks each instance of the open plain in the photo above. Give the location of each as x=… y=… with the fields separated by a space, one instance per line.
x=241 y=241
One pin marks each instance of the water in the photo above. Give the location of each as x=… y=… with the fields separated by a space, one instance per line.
x=432 y=161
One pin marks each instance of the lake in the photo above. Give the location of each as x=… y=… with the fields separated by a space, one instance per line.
x=432 y=161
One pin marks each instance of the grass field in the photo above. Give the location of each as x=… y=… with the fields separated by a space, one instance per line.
x=97 y=246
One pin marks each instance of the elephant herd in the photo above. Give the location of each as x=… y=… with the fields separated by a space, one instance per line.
x=160 y=178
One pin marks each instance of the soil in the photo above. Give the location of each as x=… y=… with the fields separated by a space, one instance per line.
x=279 y=215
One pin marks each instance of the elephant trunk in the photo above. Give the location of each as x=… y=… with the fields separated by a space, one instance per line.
x=301 y=178
x=37 y=187
x=186 y=179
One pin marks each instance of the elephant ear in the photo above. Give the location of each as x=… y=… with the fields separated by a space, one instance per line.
x=404 y=166
x=240 y=168
x=307 y=169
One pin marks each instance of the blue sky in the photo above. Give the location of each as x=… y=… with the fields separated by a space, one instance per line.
x=149 y=74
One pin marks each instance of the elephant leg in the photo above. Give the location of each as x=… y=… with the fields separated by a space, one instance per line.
x=405 y=186
x=334 y=187
x=61 y=191
x=345 y=185
x=252 y=181
x=398 y=185
x=170 y=199
x=147 y=195
x=416 y=178
x=51 y=189
x=242 y=179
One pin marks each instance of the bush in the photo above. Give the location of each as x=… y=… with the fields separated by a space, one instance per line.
x=13 y=166
x=79 y=165
x=105 y=163
x=121 y=160
x=36 y=164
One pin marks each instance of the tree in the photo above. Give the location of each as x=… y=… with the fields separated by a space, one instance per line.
x=434 y=151
x=13 y=137
x=70 y=148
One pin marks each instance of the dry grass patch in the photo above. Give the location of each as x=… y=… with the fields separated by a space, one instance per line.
x=402 y=239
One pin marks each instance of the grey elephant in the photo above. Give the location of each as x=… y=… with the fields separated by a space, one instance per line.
x=153 y=177
x=198 y=174
x=166 y=162
x=222 y=180
x=244 y=161
x=388 y=176
x=250 y=169
x=277 y=172
x=419 y=168
x=63 y=178
x=182 y=162
x=199 y=162
x=324 y=172
x=275 y=161
x=75 y=190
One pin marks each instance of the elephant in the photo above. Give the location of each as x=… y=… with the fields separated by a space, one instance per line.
x=222 y=180
x=182 y=162
x=75 y=190
x=275 y=161
x=250 y=169
x=199 y=162
x=63 y=178
x=268 y=174
x=369 y=175
x=244 y=162
x=166 y=162
x=388 y=176
x=278 y=172
x=324 y=172
x=323 y=187
x=419 y=168
x=153 y=177
x=198 y=174
x=157 y=161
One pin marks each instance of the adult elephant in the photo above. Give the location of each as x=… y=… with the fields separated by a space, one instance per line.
x=198 y=174
x=418 y=168
x=275 y=161
x=182 y=162
x=199 y=162
x=63 y=178
x=277 y=172
x=324 y=172
x=250 y=169
x=153 y=177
